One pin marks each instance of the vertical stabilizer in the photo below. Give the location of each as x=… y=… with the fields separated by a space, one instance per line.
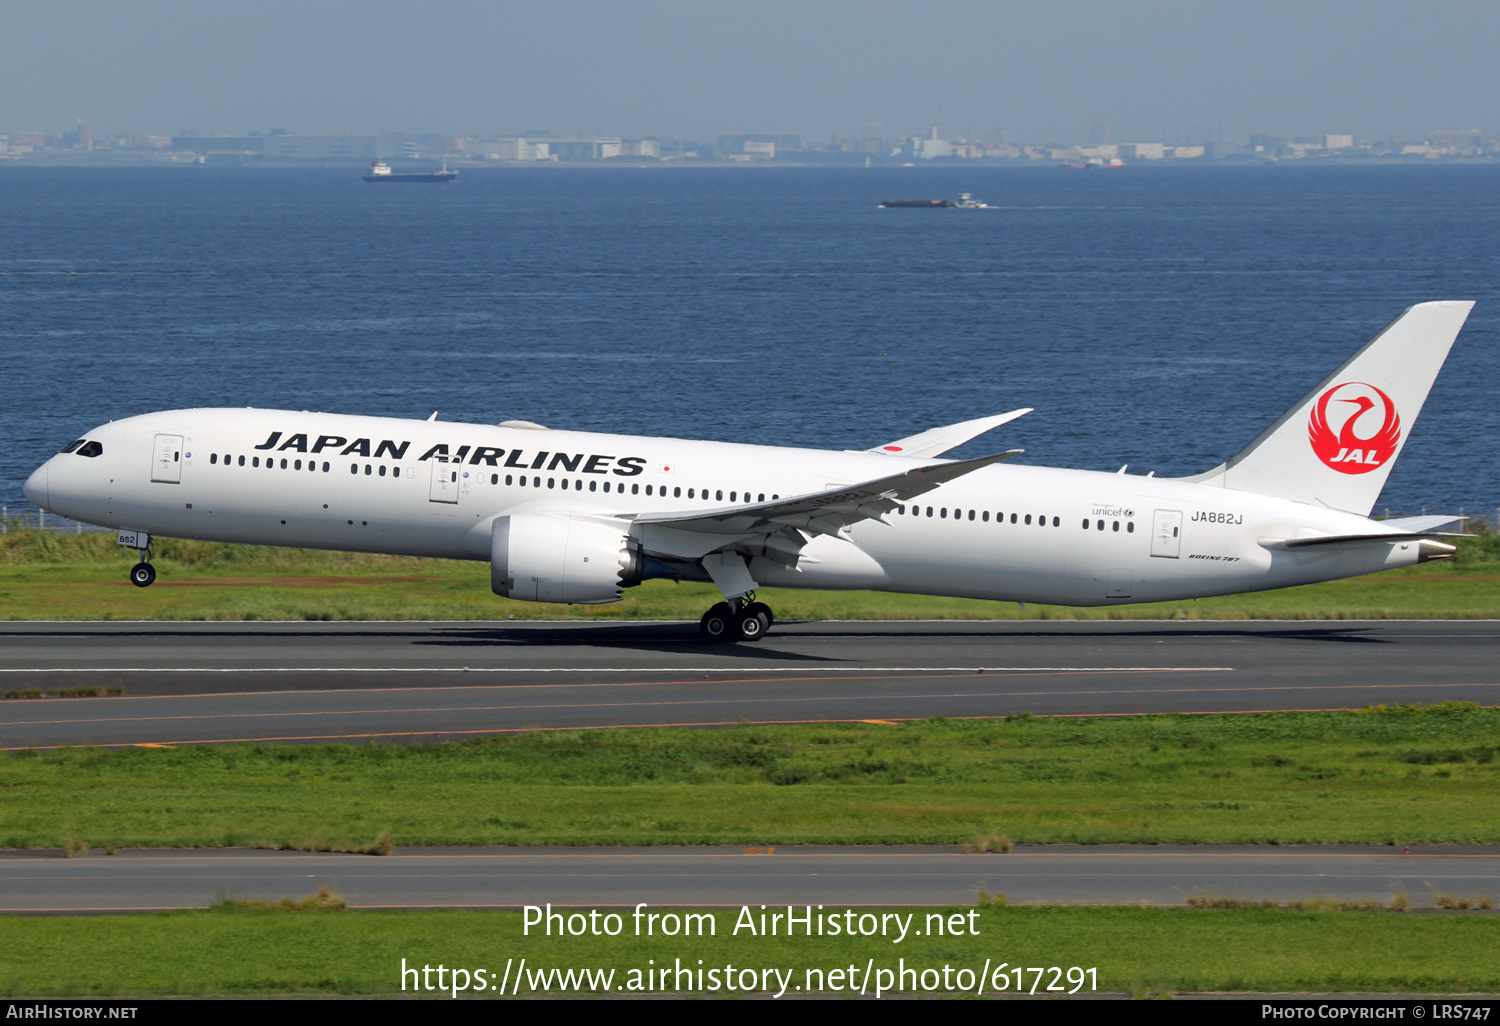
x=1336 y=447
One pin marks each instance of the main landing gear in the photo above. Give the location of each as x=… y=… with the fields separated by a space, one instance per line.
x=143 y=573
x=739 y=619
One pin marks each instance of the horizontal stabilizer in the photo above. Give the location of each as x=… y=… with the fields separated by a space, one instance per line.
x=938 y=440
x=1420 y=525
x=1337 y=539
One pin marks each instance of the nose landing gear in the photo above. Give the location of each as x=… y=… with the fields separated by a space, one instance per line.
x=143 y=573
x=740 y=619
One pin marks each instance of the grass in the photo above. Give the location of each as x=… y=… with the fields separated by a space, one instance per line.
x=46 y=576
x=1381 y=775
x=243 y=950
x=324 y=901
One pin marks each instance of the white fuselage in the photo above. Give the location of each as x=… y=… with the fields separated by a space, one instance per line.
x=429 y=488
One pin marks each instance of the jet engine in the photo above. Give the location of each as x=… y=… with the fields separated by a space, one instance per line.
x=541 y=557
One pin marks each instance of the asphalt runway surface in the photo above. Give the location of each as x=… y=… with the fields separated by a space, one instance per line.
x=38 y=882
x=217 y=682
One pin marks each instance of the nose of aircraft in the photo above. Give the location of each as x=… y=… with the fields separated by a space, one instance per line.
x=35 y=488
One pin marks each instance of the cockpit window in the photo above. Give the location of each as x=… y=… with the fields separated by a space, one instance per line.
x=91 y=449
x=70 y=447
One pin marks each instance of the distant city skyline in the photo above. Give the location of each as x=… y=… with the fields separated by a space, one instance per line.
x=870 y=146
x=1157 y=70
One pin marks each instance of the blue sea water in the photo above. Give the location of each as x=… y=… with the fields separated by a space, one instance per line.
x=1158 y=317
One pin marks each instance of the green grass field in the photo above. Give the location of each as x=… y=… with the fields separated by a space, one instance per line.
x=47 y=576
x=1135 y=950
x=1383 y=775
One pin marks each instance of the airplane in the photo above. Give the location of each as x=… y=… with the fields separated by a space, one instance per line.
x=577 y=517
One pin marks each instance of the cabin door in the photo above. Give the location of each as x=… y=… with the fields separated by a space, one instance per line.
x=166 y=462
x=1166 y=533
x=444 y=487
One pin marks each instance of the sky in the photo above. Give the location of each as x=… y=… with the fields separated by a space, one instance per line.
x=1164 y=70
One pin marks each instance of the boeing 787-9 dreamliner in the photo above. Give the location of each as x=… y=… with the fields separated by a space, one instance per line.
x=577 y=517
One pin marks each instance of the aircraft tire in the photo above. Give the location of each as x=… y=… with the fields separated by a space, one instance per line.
x=751 y=625
x=142 y=574
x=762 y=608
x=717 y=624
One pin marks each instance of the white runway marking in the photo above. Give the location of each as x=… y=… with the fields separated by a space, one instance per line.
x=620 y=669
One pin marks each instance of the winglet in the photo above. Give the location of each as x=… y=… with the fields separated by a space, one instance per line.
x=938 y=440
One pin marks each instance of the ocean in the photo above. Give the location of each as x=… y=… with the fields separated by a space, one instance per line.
x=1154 y=316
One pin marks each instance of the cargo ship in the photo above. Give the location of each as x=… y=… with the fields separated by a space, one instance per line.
x=1111 y=164
x=966 y=201
x=381 y=172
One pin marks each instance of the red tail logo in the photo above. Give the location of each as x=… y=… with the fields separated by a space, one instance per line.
x=1354 y=428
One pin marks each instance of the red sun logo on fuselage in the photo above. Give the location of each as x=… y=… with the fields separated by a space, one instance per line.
x=1354 y=428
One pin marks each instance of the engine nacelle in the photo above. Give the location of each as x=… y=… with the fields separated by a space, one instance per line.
x=540 y=557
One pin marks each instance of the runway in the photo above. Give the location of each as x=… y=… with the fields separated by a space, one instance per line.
x=219 y=682
x=38 y=882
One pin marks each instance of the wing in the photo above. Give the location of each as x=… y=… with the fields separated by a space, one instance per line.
x=938 y=440
x=780 y=528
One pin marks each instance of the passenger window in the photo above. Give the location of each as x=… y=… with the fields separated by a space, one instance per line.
x=523 y=480
x=255 y=461
x=1099 y=524
x=549 y=482
x=509 y=479
x=1117 y=527
x=296 y=464
x=1085 y=523
x=1028 y=518
x=943 y=513
x=929 y=511
x=242 y=461
x=213 y=458
x=564 y=484
x=762 y=497
x=1130 y=527
x=354 y=468
x=1057 y=521
x=986 y=516
x=677 y=493
x=901 y=510
x=718 y=496
x=648 y=489
x=731 y=496
x=382 y=470
x=494 y=479
x=594 y=485
x=690 y=493
x=1013 y=518
x=325 y=466
x=635 y=489
x=367 y=472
